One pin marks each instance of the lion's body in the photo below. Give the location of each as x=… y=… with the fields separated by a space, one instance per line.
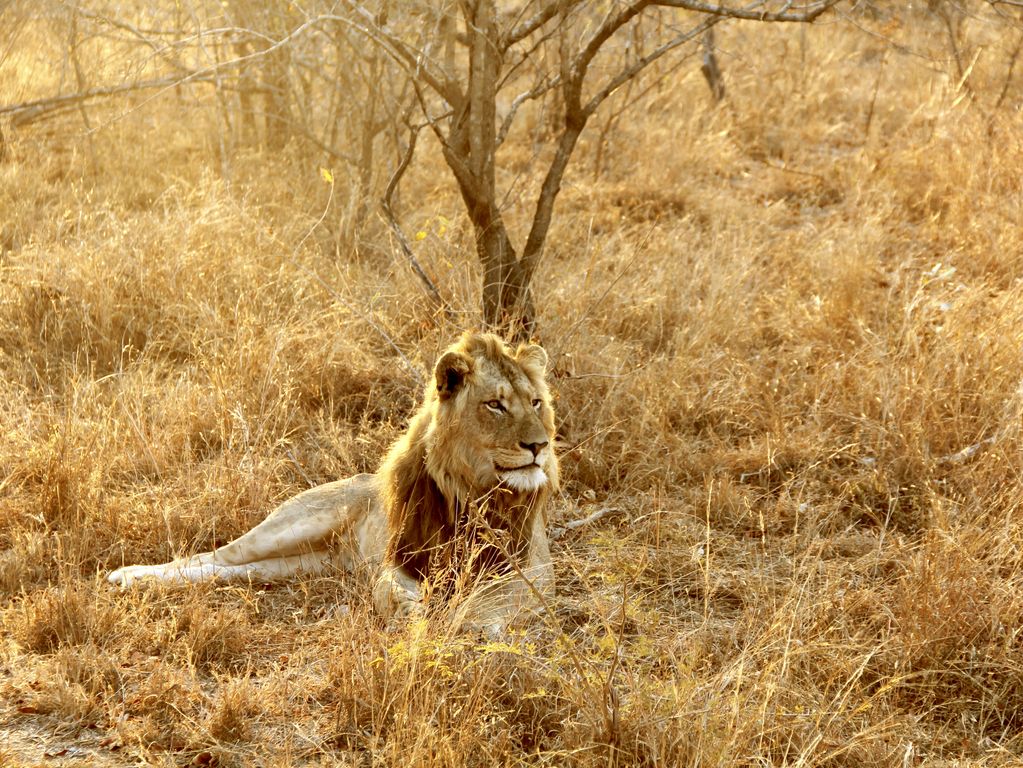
x=460 y=494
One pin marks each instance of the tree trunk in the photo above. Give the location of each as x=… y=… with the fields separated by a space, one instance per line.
x=507 y=299
x=470 y=152
x=710 y=69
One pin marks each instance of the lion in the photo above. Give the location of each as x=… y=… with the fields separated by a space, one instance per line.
x=459 y=501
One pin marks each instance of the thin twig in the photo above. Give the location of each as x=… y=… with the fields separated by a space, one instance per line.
x=298 y=466
x=601 y=375
x=535 y=92
x=807 y=13
x=385 y=206
x=291 y=257
x=532 y=24
x=612 y=701
x=1008 y=73
x=558 y=531
x=415 y=60
x=873 y=98
x=638 y=66
x=968 y=452
x=556 y=357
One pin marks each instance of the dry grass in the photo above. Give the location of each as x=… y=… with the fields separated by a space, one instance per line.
x=773 y=328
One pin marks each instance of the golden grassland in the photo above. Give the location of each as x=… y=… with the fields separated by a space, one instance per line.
x=774 y=324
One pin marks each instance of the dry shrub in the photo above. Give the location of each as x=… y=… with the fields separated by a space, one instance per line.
x=236 y=704
x=23 y=562
x=956 y=627
x=429 y=695
x=205 y=636
x=56 y=617
x=160 y=710
x=76 y=685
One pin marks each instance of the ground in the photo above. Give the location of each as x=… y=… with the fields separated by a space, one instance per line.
x=785 y=334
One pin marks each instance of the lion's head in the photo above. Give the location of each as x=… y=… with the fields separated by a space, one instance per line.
x=492 y=422
x=484 y=431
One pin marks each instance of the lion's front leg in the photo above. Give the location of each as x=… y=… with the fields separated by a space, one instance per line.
x=397 y=595
x=208 y=567
x=325 y=526
x=176 y=571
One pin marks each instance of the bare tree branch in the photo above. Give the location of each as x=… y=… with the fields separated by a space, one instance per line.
x=530 y=25
x=577 y=114
x=1008 y=73
x=33 y=110
x=545 y=201
x=145 y=37
x=639 y=65
x=30 y=111
x=414 y=60
x=749 y=13
x=611 y=24
x=523 y=56
x=534 y=93
x=505 y=50
x=463 y=176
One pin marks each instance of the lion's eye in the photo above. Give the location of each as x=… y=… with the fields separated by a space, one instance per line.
x=495 y=406
x=537 y=402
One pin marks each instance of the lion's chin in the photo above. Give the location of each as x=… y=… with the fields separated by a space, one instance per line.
x=524 y=480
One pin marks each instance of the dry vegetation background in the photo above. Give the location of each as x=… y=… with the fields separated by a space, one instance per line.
x=775 y=324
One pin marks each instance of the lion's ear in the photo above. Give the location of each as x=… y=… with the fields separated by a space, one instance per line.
x=532 y=355
x=451 y=370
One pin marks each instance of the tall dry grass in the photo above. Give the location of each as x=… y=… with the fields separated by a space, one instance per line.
x=775 y=326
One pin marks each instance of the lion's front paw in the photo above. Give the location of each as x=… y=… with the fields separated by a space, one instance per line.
x=407 y=605
x=130 y=575
x=171 y=573
x=396 y=596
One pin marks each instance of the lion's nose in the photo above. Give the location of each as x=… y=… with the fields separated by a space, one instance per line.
x=534 y=447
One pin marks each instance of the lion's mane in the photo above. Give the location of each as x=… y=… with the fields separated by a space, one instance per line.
x=438 y=516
